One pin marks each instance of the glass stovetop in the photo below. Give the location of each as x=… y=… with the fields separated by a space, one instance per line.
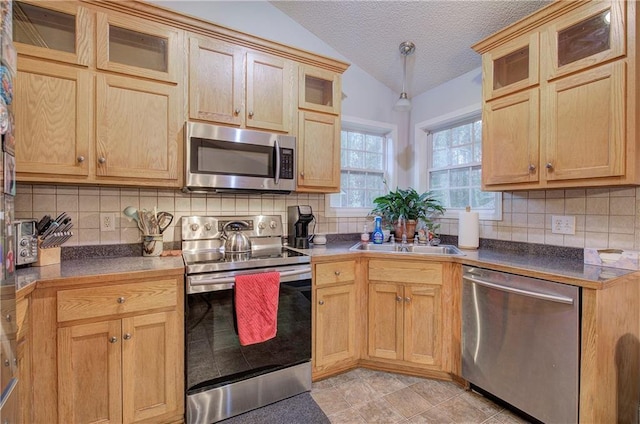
x=218 y=260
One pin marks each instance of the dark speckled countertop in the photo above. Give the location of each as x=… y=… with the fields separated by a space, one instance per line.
x=83 y=268
x=549 y=262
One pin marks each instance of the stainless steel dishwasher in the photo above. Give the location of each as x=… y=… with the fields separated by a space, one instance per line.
x=521 y=342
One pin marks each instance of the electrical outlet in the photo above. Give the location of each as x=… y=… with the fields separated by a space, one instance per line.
x=563 y=224
x=107 y=221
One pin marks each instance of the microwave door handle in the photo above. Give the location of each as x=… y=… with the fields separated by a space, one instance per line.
x=277 y=147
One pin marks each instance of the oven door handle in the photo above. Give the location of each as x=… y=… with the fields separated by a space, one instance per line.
x=277 y=147
x=224 y=283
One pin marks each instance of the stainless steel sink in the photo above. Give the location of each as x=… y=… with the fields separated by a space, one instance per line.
x=441 y=250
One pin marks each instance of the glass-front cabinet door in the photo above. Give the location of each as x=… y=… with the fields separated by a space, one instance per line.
x=593 y=34
x=136 y=47
x=511 y=67
x=319 y=90
x=60 y=31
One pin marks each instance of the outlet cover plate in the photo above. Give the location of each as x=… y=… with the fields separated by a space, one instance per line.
x=563 y=224
x=107 y=221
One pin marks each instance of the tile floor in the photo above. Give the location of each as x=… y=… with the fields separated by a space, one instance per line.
x=367 y=396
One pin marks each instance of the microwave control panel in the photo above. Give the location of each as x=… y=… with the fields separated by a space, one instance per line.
x=286 y=164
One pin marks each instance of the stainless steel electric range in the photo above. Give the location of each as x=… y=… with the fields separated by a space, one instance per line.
x=223 y=378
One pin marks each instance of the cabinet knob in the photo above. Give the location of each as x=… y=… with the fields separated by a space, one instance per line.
x=113 y=339
x=532 y=168
x=549 y=165
x=302 y=174
x=8 y=317
x=407 y=299
x=399 y=298
x=126 y=336
x=7 y=363
x=336 y=272
x=251 y=114
x=236 y=111
x=80 y=159
x=321 y=302
x=121 y=300
x=102 y=159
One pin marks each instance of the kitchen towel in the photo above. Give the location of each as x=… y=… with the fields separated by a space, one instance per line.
x=468 y=229
x=257 y=306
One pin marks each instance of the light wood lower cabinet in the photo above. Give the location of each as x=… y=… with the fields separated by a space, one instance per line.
x=336 y=320
x=115 y=352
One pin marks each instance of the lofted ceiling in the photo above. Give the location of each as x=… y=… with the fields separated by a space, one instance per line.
x=369 y=33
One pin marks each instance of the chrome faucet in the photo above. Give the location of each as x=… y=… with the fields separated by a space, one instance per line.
x=404 y=247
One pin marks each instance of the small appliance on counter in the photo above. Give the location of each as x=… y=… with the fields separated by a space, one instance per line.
x=299 y=218
x=26 y=241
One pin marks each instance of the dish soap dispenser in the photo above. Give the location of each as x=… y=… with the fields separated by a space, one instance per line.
x=378 y=236
x=364 y=237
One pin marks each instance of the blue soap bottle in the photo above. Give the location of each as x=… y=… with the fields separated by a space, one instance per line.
x=378 y=236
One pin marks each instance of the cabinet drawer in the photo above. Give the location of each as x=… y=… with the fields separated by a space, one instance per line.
x=335 y=272
x=118 y=299
x=405 y=272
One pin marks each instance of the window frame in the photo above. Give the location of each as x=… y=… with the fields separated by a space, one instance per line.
x=423 y=155
x=390 y=132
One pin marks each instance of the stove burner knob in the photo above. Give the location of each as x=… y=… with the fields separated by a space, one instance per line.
x=207 y=226
x=261 y=225
x=273 y=225
x=194 y=227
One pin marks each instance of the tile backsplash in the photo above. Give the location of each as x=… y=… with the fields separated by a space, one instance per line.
x=604 y=217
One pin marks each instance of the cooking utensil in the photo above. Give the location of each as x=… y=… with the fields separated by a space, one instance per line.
x=164 y=220
x=43 y=223
x=237 y=241
x=132 y=213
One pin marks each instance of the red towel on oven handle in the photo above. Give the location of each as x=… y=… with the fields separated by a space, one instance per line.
x=257 y=306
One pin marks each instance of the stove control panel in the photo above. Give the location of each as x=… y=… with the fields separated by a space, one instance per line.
x=210 y=227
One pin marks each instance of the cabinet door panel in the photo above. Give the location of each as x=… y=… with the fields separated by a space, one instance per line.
x=136 y=129
x=318 y=152
x=591 y=35
x=89 y=369
x=335 y=324
x=319 y=90
x=152 y=372
x=584 y=124
x=510 y=139
x=270 y=81
x=61 y=31
x=385 y=321
x=422 y=325
x=216 y=81
x=53 y=119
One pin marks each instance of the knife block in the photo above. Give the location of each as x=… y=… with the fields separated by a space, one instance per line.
x=49 y=256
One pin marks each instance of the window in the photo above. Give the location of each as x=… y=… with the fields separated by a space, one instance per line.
x=365 y=167
x=454 y=167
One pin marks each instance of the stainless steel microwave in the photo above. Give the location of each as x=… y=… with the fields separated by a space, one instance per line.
x=230 y=159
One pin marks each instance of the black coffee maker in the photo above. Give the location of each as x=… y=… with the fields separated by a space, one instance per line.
x=299 y=218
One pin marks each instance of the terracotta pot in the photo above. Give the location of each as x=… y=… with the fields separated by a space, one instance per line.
x=411 y=230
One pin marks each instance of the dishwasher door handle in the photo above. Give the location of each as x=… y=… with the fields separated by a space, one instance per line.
x=536 y=295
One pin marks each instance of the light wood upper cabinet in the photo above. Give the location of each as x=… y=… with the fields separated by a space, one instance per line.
x=586 y=37
x=232 y=85
x=575 y=126
x=134 y=46
x=137 y=129
x=61 y=31
x=53 y=112
x=319 y=90
x=216 y=81
x=318 y=152
x=510 y=67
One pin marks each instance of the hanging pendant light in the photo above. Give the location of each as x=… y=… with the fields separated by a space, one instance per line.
x=404 y=104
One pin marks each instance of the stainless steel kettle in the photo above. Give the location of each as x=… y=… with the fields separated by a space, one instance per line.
x=237 y=241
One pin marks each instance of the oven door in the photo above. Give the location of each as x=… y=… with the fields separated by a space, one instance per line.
x=214 y=356
x=222 y=158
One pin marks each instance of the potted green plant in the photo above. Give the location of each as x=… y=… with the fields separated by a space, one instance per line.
x=409 y=205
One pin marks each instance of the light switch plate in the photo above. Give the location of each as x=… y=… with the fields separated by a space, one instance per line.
x=563 y=224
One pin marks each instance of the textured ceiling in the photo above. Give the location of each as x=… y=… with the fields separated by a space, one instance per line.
x=368 y=33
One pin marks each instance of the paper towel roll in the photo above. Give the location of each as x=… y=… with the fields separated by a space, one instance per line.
x=468 y=229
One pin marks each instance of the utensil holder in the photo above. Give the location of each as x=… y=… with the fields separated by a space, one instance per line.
x=48 y=256
x=152 y=244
